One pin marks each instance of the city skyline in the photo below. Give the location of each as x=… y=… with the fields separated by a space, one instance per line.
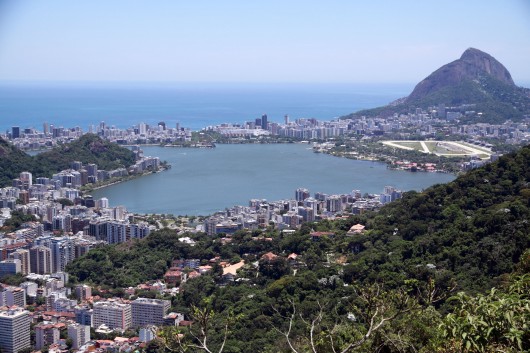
x=298 y=41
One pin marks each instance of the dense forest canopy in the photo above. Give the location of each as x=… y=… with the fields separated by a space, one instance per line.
x=89 y=148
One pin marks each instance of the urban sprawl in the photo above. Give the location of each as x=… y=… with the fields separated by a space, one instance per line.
x=70 y=223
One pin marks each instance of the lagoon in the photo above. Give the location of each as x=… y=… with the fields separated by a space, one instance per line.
x=203 y=181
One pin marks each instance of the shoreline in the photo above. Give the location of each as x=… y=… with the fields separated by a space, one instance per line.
x=388 y=164
x=131 y=177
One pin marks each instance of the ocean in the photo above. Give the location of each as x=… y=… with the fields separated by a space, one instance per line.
x=202 y=181
x=192 y=105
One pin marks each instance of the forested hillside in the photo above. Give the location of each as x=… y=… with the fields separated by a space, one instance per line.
x=390 y=289
x=12 y=162
x=89 y=148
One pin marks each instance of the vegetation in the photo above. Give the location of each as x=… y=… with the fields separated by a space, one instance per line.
x=89 y=148
x=497 y=101
x=376 y=150
x=12 y=162
x=390 y=289
x=17 y=219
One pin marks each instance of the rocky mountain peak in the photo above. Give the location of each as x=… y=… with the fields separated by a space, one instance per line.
x=472 y=65
x=487 y=63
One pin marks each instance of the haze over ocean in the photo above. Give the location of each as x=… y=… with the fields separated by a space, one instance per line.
x=193 y=105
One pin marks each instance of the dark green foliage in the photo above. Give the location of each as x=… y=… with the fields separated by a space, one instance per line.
x=128 y=264
x=474 y=227
x=12 y=162
x=496 y=321
x=17 y=219
x=13 y=280
x=89 y=148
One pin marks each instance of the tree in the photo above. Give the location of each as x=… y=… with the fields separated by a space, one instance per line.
x=498 y=321
x=369 y=311
x=206 y=324
x=274 y=268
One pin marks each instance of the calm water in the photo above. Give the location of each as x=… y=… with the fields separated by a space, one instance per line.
x=192 y=105
x=203 y=181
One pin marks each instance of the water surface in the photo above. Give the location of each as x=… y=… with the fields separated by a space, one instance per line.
x=203 y=181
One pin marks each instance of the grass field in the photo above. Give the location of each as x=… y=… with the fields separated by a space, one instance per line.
x=442 y=148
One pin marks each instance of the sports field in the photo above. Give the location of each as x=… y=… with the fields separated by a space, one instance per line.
x=442 y=148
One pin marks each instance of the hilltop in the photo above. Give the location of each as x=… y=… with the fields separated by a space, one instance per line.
x=89 y=148
x=476 y=79
x=13 y=161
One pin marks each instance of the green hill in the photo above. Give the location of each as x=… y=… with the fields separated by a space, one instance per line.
x=477 y=79
x=89 y=148
x=12 y=162
x=474 y=229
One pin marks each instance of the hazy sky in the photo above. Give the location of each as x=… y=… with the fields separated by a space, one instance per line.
x=250 y=41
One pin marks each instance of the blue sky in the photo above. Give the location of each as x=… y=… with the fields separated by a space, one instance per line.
x=249 y=41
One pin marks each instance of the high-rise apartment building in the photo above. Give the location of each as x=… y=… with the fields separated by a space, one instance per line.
x=23 y=256
x=63 y=251
x=40 y=258
x=83 y=292
x=301 y=194
x=149 y=311
x=45 y=335
x=15 y=132
x=26 y=179
x=113 y=315
x=13 y=296
x=264 y=122
x=9 y=267
x=14 y=330
x=79 y=334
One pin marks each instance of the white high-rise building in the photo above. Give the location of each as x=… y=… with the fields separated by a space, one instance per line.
x=79 y=334
x=103 y=202
x=113 y=315
x=147 y=333
x=14 y=296
x=149 y=311
x=63 y=251
x=26 y=179
x=14 y=330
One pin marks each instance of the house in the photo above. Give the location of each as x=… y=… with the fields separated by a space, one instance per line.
x=269 y=256
x=293 y=259
x=315 y=236
x=356 y=229
x=173 y=276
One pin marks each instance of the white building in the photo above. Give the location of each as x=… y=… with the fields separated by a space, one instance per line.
x=149 y=311
x=79 y=334
x=14 y=330
x=147 y=333
x=112 y=314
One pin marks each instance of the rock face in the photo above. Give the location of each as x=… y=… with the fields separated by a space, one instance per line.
x=476 y=81
x=472 y=65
